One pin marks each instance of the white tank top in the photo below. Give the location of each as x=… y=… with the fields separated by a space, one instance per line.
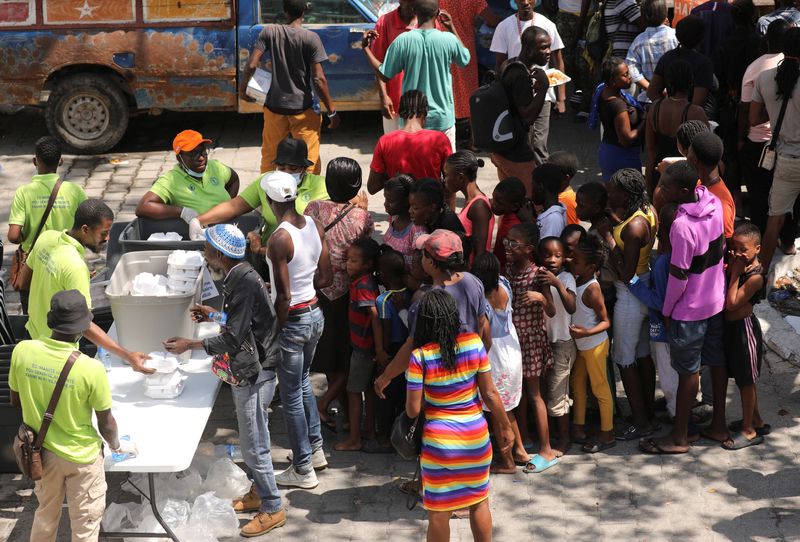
x=586 y=317
x=303 y=266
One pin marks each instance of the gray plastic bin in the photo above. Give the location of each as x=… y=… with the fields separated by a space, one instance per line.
x=143 y=322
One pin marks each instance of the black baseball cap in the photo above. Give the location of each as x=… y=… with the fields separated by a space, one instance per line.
x=293 y=152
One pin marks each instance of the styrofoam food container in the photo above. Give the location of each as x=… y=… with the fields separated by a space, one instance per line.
x=185 y=285
x=164 y=386
x=178 y=272
x=185 y=259
x=162 y=362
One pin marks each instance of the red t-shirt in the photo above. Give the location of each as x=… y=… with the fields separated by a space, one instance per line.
x=363 y=293
x=422 y=153
x=506 y=223
x=388 y=27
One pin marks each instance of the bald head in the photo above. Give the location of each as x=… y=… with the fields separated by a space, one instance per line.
x=535 y=46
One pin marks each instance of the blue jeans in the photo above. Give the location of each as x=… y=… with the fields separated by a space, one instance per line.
x=298 y=342
x=252 y=412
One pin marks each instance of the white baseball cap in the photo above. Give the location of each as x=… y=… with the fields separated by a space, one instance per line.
x=279 y=186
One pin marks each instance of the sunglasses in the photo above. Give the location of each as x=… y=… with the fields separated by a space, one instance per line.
x=513 y=245
x=197 y=152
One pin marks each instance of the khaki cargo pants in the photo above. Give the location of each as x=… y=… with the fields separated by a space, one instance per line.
x=84 y=486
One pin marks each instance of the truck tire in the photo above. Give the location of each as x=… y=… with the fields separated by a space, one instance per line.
x=87 y=112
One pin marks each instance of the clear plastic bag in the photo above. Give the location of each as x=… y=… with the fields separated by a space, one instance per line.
x=175 y=513
x=117 y=517
x=226 y=479
x=214 y=515
x=194 y=534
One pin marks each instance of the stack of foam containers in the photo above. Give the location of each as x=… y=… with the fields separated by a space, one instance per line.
x=183 y=267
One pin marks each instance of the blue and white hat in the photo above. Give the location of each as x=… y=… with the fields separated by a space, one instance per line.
x=228 y=239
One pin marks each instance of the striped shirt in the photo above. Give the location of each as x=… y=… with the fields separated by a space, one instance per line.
x=619 y=16
x=363 y=294
x=790 y=15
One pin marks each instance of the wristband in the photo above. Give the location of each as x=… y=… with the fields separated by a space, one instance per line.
x=331 y=115
x=634 y=280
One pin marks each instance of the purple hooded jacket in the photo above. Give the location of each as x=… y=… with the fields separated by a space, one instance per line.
x=698 y=244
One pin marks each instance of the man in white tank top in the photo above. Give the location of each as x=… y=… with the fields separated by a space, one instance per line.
x=299 y=265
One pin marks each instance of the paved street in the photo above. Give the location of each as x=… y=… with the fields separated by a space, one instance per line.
x=708 y=494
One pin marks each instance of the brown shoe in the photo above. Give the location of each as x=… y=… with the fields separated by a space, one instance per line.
x=249 y=503
x=263 y=523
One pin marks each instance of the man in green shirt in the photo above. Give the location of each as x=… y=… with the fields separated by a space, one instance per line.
x=71 y=454
x=57 y=263
x=193 y=186
x=30 y=201
x=292 y=158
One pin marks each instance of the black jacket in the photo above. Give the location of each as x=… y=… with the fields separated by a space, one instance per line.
x=250 y=336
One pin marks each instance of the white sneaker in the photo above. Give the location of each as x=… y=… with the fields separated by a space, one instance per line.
x=318 y=459
x=291 y=478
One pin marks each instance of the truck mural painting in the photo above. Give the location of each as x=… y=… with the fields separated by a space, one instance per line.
x=91 y=64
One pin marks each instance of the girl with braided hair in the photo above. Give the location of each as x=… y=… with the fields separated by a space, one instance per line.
x=461 y=175
x=411 y=149
x=446 y=371
x=631 y=241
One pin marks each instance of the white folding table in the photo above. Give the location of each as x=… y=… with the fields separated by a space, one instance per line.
x=166 y=431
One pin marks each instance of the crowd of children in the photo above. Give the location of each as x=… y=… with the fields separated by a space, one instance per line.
x=644 y=290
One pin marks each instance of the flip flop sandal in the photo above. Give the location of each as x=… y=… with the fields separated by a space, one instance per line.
x=594 y=447
x=632 y=433
x=410 y=487
x=764 y=430
x=539 y=464
x=739 y=441
x=650 y=446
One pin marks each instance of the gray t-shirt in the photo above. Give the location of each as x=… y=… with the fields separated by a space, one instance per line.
x=294 y=52
x=765 y=91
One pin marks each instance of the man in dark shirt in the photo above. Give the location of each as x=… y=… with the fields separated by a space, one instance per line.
x=248 y=342
x=297 y=56
x=689 y=32
x=526 y=90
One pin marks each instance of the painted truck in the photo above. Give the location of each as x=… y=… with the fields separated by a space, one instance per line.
x=91 y=64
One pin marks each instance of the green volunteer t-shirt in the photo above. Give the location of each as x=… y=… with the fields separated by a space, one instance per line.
x=30 y=201
x=424 y=58
x=35 y=367
x=311 y=188
x=58 y=264
x=176 y=187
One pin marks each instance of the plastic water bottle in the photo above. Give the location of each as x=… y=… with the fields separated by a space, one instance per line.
x=103 y=356
x=117 y=457
x=218 y=317
x=234 y=452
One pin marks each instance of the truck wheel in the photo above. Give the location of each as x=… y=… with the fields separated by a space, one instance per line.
x=87 y=112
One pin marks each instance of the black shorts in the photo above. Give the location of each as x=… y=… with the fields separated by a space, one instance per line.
x=744 y=350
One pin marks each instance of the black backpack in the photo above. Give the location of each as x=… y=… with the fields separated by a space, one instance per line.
x=494 y=125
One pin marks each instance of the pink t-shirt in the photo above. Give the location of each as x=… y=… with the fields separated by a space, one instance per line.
x=467 y=223
x=762 y=132
x=422 y=153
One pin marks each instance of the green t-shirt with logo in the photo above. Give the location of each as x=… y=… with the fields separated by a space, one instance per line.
x=30 y=201
x=311 y=188
x=176 y=187
x=35 y=367
x=58 y=264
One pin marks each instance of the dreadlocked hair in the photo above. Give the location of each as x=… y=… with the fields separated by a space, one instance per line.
x=413 y=104
x=438 y=322
x=632 y=182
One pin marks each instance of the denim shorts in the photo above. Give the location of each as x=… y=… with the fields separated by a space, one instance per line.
x=695 y=343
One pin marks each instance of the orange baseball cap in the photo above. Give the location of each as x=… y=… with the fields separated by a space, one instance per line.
x=187 y=141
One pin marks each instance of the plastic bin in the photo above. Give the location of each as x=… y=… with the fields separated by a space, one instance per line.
x=143 y=322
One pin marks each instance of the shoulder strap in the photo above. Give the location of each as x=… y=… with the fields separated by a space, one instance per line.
x=50 y=203
x=774 y=142
x=686 y=112
x=656 y=114
x=48 y=415
x=343 y=213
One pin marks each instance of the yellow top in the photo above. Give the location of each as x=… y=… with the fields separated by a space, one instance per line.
x=644 y=253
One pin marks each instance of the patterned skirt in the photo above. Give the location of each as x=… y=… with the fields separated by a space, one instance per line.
x=456 y=455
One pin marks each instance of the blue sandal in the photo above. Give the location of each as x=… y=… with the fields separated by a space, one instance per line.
x=539 y=464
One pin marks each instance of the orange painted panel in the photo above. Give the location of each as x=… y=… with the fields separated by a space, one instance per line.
x=88 y=11
x=186 y=10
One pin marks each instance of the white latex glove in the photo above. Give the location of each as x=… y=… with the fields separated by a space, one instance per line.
x=188 y=214
x=127 y=447
x=196 y=230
